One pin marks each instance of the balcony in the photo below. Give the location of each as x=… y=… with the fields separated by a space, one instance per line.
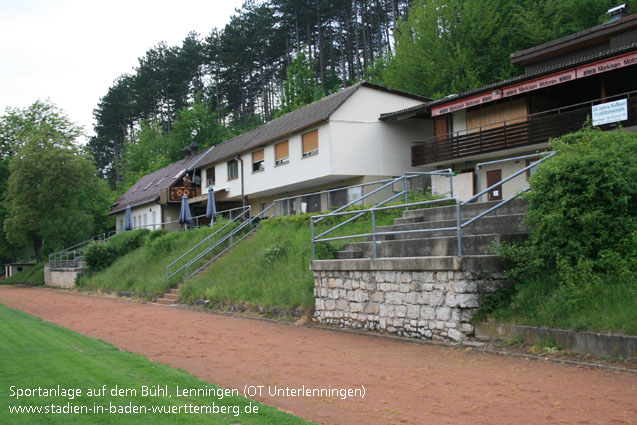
x=520 y=132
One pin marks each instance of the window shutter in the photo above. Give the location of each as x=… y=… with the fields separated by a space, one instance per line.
x=282 y=150
x=310 y=141
x=257 y=156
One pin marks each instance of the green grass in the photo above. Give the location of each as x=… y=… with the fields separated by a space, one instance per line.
x=270 y=268
x=607 y=307
x=41 y=354
x=32 y=276
x=143 y=270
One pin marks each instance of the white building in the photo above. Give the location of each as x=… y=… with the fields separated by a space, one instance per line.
x=337 y=141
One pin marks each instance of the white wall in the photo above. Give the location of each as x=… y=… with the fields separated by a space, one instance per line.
x=364 y=145
x=298 y=170
x=138 y=212
x=352 y=143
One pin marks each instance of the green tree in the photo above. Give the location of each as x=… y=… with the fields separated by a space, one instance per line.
x=301 y=87
x=53 y=196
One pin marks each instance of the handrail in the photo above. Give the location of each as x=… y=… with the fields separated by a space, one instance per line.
x=245 y=209
x=459 y=224
x=233 y=242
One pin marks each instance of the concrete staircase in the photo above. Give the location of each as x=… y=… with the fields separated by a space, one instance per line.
x=478 y=238
x=169 y=298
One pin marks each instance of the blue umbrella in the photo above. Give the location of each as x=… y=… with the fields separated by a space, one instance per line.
x=184 y=214
x=128 y=222
x=211 y=209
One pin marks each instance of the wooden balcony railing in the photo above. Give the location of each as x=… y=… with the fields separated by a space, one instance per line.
x=538 y=128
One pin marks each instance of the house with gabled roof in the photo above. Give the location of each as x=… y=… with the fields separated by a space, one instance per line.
x=335 y=142
x=155 y=198
x=589 y=75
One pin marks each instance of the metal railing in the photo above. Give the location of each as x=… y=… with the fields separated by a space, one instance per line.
x=248 y=226
x=458 y=206
x=72 y=256
x=230 y=213
x=209 y=239
x=359 y=213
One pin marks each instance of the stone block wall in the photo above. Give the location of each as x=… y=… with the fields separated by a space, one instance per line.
x=422 y=304
x=61 y=277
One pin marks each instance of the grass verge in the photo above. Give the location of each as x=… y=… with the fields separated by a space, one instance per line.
x=41 y=354
x=31 y=276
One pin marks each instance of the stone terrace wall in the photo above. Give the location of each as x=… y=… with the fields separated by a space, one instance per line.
x=61 y=277
x=433 y=304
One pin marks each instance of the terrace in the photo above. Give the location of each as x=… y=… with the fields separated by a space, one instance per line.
x=513 y=133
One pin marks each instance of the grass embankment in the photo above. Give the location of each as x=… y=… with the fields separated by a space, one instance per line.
x=31 y=276
x=41 y=354
x=142 y=271
x=272 y=268
x=269 y=269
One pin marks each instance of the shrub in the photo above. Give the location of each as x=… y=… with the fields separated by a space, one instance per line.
x=99 y=255
x=583 y=208
x=124 y=242
x=578 y=268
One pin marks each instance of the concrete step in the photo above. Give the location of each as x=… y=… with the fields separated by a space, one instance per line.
x=517 y=206
x=437 y=246
x=165 y=301
x=171 y=296
x=347 y=255
x=174 y=291
x=487 y=225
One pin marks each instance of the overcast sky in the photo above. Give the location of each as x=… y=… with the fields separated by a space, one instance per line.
x=71 y=51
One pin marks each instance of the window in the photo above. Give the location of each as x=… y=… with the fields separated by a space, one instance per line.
x=210 y=176
x=532 y=170
x=139 y=220
x=121 y=224
x=257 y=161
x=310 y=143
x=263 y=205
x=233 y=169
x=134 y=222
x=282 y=153
x=154 y=219
x=145 y=220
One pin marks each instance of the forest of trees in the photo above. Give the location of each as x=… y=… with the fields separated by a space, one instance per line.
x=275 y=56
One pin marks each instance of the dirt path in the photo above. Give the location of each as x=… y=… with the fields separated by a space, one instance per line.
x=405 y=383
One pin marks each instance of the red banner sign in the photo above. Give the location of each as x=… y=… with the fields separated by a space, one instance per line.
x=538 y=83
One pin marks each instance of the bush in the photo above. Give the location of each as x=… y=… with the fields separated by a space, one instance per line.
x=124 y=242
x=578 y=268
x=583 y=208
x=99 y=255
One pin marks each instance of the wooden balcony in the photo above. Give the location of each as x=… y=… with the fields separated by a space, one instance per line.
x=537 y=128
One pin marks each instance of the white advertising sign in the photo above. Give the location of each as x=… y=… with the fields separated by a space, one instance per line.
x=610 y=112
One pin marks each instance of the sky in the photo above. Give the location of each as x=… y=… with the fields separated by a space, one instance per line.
x=71 y=51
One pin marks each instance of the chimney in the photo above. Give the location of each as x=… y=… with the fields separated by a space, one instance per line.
x=617 y=13
x=194 y=147
x=187 y=152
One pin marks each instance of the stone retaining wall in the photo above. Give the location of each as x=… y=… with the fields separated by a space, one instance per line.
x=434 y=304
x=61 y=277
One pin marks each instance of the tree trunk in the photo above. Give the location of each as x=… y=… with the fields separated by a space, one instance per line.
x=37 y=244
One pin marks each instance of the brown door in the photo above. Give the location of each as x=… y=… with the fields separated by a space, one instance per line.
x=493 y=177
x=441 y=126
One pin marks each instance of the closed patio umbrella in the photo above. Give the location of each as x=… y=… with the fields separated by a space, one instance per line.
x=184 y=214
x=211 y=209
x=128 y=222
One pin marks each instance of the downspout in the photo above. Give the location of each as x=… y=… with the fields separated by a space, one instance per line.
x=243 y=198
